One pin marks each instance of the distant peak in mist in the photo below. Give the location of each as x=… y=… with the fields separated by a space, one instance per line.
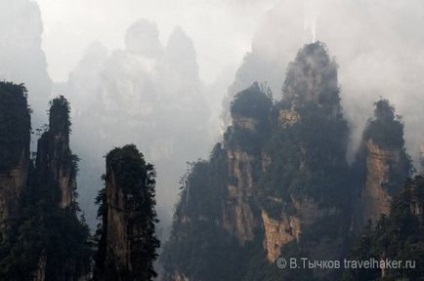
x=181 y=54
x=96 y=49
x=143 y=37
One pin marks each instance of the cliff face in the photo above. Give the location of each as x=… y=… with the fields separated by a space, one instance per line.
x=375 y=197
x=384 y=163
x=244 y=153
x=238 y=214
x=14 y=151
x=12 y=184
x=127 y=246
x=279 y=233
x=118 y=229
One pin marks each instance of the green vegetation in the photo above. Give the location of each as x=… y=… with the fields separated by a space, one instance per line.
x=251 y=108
x=294 y=162
x=313 y=77
x=128 y=173
x=59 y=120
x=198 y=245
x=15 y=124
x=48 y=240
x=386 y=129
x=308 y=159
x=399 y=236
x=252 y=102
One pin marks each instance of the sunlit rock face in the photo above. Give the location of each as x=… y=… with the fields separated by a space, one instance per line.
x=238 y=214
x=21 y=57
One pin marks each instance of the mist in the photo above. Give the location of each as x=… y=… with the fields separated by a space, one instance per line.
x=162 y=75
x=377 y=45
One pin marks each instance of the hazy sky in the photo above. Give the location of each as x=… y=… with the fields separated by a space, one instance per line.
x=221 y=30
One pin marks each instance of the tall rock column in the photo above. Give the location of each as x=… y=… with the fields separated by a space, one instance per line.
x=56 y=165
x=243 y=141
x=128 y=244
x=15 y=128
x=384 y=164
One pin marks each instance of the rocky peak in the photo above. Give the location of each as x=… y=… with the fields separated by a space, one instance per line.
x=251 y=108
x=312 y=77
x=288 y=117
x=181 y=55
x=142 y=38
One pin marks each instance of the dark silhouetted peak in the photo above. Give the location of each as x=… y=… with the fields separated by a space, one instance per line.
x=59 y=116
x=384 y=111
x=143 y=38
x=252 y=102
x=312 y=77
x=125 y=163
x=386 y=129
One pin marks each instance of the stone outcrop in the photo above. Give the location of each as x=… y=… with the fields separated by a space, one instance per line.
x=288 y=117
x=279 y=233
x=375 y=196
x=290 y=226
